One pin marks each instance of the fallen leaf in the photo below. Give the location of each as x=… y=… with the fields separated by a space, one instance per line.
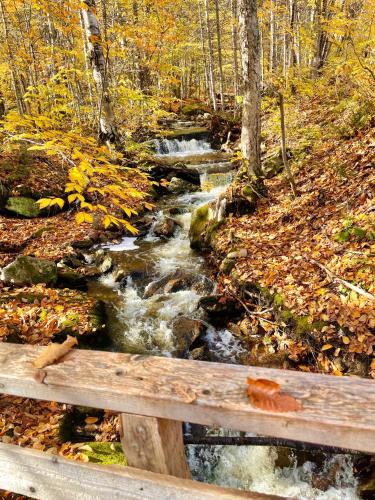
x=91 y=420
x=265 y=395
x=54 y=352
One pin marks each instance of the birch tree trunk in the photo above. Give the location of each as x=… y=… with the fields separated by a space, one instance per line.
x=235 y=50
x=220 y=55
x=204 y=52
x=250 y=56
x=210 y=56
x=99 y=63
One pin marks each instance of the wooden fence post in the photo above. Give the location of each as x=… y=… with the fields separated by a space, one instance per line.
x=154 y=444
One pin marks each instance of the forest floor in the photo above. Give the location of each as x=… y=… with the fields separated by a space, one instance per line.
x=310 y=259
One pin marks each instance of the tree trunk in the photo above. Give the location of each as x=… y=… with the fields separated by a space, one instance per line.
x=210 y=56
x=204 y=52
x=235 y=50
x=250 y=55
x=107 y=132
x=220 y=55
x=12 y=64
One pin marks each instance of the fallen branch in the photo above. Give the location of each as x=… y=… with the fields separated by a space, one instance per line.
x=263 y=441
x=347 y=284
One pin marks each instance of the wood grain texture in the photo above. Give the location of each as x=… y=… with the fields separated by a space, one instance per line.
x=154 y=444
x=47 y=477
x=338 y=411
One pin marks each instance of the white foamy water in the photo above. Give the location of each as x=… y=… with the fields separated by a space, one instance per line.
x=176 y=147
x=253 y=468
x=127 y=243
x=147 y=322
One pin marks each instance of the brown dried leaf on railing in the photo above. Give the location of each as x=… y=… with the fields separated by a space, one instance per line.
x=54 y=352
x=265 y=395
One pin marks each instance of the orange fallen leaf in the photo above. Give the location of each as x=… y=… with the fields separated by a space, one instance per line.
x=265 y=395
x=54 y=352
x=91 y=420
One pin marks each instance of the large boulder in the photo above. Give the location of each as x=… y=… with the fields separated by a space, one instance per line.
x=185 y=332
x=26 y=207
x=30 y=271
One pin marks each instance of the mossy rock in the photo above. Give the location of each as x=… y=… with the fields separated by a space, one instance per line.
x=27 y=270
x=25 y=207
x=199 y=220
x=193 y=110
x=105 y=453
x=272 y=166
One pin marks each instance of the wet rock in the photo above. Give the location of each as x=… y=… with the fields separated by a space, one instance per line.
x=199 y=220
x=180 y=186
x=165 y=227
x=161 y=171
x=26 y=207
x=177 y=281
x=83 y=244
x=119 y=275
x=158 y=285
x=106 y=264
x=72 y=260
x=219 y=308
x=199 y=353
x=185 y=332
x=30 y=271
x=69 y=278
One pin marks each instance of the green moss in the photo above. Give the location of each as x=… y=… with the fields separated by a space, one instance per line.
x=27 y=207
x=278 y=300
x=199 y=220
x=193 y=109
x=212 y=230
x=105 y=453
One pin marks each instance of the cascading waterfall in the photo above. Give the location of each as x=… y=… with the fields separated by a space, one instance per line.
x=144 y=325
x=176 y=147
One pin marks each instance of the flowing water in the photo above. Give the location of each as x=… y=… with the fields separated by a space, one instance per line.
x=144 y=325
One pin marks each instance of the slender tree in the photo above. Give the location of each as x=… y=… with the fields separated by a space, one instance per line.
x=250 y=56
x=99 y=62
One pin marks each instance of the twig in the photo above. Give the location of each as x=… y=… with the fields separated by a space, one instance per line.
x=333 y=277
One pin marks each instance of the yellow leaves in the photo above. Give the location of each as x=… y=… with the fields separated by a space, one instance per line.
x=82 y=217
x=74 y=197
x=326 y=347
x=346 y=340
x=50 y=202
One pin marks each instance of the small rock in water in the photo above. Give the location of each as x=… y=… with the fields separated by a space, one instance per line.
x=185 y=332
x=180 y=186
x=165 y=227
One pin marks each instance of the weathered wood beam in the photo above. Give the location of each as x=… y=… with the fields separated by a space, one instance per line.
x=48 y=477
x=154 y=444
x=338 y=411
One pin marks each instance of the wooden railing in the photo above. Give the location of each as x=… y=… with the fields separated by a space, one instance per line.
x=155 y=395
